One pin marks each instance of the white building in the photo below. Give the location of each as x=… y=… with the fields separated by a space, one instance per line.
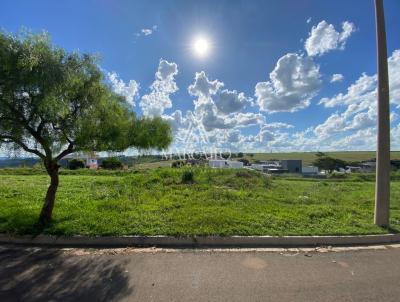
x=91 y=163
x=225 y=163
x=351 y=169
x=309 y=170
x=266 y=167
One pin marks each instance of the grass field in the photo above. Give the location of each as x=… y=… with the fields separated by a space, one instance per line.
x=309 y=157
x=224 y=202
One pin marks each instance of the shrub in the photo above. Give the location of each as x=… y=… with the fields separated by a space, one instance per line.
x=187 y=177
x=75 y=163
x=111 y=163
x=177 y=164
x=245 y=161
x=338 y=175
x=244 y=174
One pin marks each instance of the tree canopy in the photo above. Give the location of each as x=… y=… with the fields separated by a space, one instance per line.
x=328 y=163
x=54 y=103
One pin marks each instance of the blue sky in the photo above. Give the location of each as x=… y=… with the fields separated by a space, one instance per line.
x=266 y=82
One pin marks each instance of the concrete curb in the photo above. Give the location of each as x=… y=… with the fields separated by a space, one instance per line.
x=200 y=241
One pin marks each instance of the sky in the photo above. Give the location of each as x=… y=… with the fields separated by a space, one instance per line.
x=259 y=76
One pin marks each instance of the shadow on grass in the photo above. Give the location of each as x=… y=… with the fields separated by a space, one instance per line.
x=393 y=230
x=33 y=274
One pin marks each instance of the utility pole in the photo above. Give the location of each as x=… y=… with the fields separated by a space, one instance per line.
x=382 y=187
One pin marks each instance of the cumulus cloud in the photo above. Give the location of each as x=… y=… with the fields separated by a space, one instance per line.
x=336 y=77
x=219 y=108
x=277 y=125
x=154 y=103
x=324 y=38
x=293 y=82
x=363 y=90
x=333 y=124
x=176 y=120
x=203 y=87
x=362 y=93
x=129 y=91
x=394 y=77
x=354 y=128
x=229 y=101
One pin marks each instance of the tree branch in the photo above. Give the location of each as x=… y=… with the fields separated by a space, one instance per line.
x=32 y=131
x=22 y=145
x=67 y=151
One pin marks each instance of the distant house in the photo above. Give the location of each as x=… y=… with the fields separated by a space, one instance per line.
x=368 y=166
x=225 y=163
x=279 y=166
x=91 y=162
x=266 y=167
x=292 y=165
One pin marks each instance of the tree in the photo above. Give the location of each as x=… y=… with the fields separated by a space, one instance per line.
x=240 y=154
x=54 y=103
x=76 y=163
x=245 y=161
x=328 y=163
x=111 y=163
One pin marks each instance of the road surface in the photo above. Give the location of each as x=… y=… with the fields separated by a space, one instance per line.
x=40 y=274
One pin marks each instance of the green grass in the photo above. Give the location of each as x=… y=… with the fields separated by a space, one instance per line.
x=223 y=202
x=309 y=157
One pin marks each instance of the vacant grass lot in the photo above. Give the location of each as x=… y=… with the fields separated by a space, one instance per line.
x=224 y=202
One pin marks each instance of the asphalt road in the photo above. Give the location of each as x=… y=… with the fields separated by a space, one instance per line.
x=33 y=274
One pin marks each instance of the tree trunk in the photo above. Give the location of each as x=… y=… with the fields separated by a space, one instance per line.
x=47 y=209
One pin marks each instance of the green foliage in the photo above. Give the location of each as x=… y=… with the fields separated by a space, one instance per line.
x=240 y=154
x=54 y=103
x=187 y=177
x=328 y=163
x=177 y=164
x=76 y=163
x=59 y=99
x=221 y=201
x=111 y=163
x=245 y=161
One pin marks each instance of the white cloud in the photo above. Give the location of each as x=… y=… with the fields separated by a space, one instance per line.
x=394 y=77
x=203 y=87
x=229 y=101
x=336 y=77
x=154 y=103
x=147 y=31
x=324 y=38
x=362 y=93
x=176 y=120
x=293 y=82
x=219 y=108
x=308 y=20
x=362 y=120
x=129 y=91
x=277 y=125
x=333 y=124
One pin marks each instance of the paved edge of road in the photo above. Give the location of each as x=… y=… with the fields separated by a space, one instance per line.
x=200 y=241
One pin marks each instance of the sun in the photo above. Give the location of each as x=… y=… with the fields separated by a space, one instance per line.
x=201 y=46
